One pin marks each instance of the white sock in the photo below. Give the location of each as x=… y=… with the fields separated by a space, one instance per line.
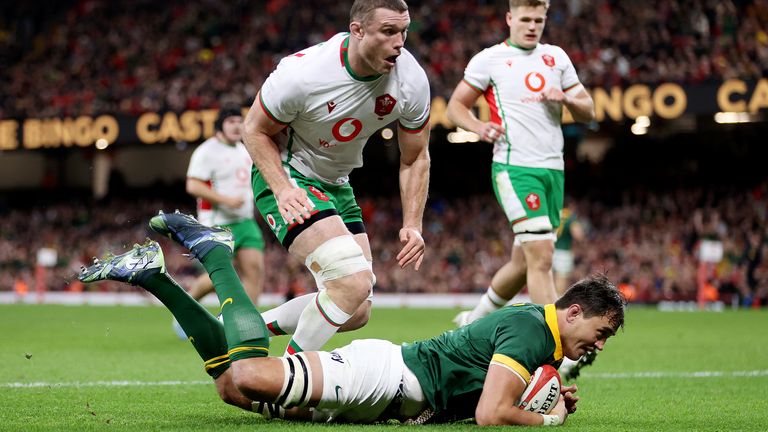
x=489 y=302
x=318 y=323
x=283 y=319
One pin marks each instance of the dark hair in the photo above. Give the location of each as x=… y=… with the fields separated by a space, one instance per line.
x=597 y=296
x=532 y=3
x=224 y=112
x=362 y=9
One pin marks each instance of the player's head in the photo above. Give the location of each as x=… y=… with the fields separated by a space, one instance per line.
x=526 y=20
x=229 y=123
x=593 y=310
x=378 y=29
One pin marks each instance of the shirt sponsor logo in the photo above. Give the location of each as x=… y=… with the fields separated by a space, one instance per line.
x=347 y=129
x=535 y=81
x=384 y=105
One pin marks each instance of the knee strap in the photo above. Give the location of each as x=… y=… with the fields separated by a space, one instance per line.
x=338 y=257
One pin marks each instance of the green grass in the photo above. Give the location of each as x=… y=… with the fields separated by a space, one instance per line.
x=62 y=345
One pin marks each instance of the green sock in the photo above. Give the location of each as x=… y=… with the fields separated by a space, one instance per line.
x=203 y=329
x=247 y=335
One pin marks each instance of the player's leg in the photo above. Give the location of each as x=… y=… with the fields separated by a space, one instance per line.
x=201 y=287
x=505 y=284
x=247 y=336
x=283 y=319
x=344 y=280
x=325 y=243
x=249 y=257
x=144 y=266
x=562 y=266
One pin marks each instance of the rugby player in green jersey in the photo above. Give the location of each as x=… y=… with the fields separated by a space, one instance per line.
x=479 y=370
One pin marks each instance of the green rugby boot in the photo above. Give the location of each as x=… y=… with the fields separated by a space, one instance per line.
x=143 y=260
x=188 y=232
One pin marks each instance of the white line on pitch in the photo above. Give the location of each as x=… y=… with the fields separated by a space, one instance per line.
x=700 y=374
x=102 y=384
x=619 y=375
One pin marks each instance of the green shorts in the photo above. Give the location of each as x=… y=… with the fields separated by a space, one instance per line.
x=529 y=196
x=247 y=235
x=329 y=200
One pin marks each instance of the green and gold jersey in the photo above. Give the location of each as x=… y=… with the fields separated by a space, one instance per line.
x=451 y=368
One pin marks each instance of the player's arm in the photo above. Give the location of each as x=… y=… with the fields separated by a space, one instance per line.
x=580 y=104
x=498 y=402
x=200 y=189
x=414 y=183
x=258 y=131
x=460 y=113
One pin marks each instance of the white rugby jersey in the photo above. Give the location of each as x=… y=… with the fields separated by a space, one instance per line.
x=331 y=112
x=227 y=170
x=512 y=79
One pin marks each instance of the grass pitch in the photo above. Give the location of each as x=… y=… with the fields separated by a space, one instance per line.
x=122 y=368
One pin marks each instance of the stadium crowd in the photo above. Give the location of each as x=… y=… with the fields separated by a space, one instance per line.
x=648 y=241
x=86 y=57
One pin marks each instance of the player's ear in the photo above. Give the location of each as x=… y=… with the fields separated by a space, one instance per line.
x=509 y=18
x=573 y=312
x=356 y=29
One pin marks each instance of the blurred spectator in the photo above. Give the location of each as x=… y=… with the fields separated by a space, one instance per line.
x=86 y=57
x=647 y=242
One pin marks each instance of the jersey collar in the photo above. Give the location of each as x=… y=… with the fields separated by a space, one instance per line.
x=344 y=57
x=550 y=316
x=509 y=42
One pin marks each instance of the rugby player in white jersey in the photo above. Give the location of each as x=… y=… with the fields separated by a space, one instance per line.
x=526 y=84
x=306 y=131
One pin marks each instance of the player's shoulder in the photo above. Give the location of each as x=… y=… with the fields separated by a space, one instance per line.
x=209 y=145
x=304 y=62
x=552 y=50
x=521 y=313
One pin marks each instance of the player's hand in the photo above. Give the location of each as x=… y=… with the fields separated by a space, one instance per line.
x=560 y=410
x=570 y=399
x=233 y=202
x=413 y=249
x=294 y=205
x=553 y=94
x=490 y=132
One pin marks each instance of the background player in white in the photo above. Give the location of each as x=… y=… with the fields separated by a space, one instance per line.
x=219 y=176
x=306 y=132
x=526 y=84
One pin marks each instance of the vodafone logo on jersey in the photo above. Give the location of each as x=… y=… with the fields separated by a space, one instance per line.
x=533 y=201
x=548 y=60
x=384 y=105
x=535 y=81
x=347 y=129
x=271 y=221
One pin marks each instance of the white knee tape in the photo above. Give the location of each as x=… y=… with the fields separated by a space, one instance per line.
x=338 y=257
x=538 y=228
x=297 y=384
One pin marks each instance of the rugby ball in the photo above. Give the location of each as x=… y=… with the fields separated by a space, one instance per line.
x=543 y=392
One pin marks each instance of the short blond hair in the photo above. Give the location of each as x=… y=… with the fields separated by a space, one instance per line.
x=362 y=9
x=532 y=3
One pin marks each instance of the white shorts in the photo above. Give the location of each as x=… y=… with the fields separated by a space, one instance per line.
x=562 y=262
x=362 y=379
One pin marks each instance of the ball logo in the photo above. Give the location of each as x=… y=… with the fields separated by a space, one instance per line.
x=384 y=105
x=535 y=81
x=271 y=221
x=548 y=60
x=533 y=201
x=318 y=193
x=347 y=129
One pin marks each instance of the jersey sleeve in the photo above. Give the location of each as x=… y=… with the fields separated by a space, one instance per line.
x=520 y=346
x=416 y=111
x=282 y=96
x=569 y=79
x=477 y=74
x=199 y=166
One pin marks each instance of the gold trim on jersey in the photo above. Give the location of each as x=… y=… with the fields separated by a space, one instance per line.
x=510 y=363
x=550 y=315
